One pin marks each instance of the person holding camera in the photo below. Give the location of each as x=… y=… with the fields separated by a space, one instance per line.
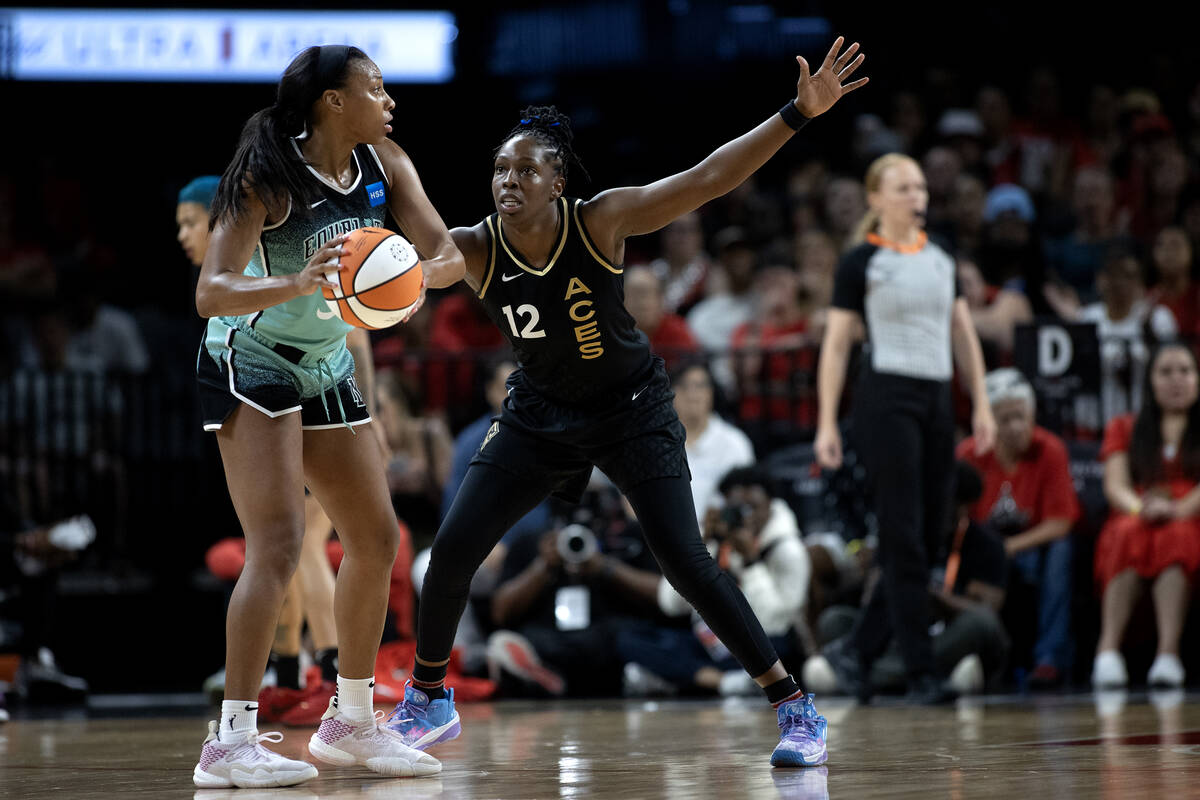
x=562 y=598
x=755 y=537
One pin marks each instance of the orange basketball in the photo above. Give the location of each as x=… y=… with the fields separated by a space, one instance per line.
x=381 y=281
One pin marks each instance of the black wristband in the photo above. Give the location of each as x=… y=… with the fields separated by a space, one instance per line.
x=792 y=116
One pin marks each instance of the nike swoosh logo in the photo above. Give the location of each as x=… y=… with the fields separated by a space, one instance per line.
x=322 y=200
x=329 y=313
x=639 y=391
x=251 y=708
x=507 y=278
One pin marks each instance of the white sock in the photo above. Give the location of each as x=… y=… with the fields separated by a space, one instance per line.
x=355 y=697
x=238 y=716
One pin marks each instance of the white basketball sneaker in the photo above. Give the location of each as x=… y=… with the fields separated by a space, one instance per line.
x=345 y=742
x=1108 y=670
x=240 y=760
x=1166 y=671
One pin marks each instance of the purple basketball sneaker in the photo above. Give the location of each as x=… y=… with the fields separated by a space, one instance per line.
x=422 y=723
x=801 y=735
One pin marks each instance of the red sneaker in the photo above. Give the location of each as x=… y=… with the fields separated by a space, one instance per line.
x=1045 y=676
x=309 y=710
x=273 y=702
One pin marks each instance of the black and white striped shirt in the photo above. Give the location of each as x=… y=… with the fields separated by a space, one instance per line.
x=905 y=295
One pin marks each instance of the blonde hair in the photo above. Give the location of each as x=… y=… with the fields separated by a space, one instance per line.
x=872 y=182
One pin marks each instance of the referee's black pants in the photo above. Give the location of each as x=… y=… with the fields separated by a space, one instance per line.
x=904 y=433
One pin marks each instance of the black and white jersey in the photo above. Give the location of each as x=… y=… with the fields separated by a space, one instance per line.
x=905 y=296
x=574 y=340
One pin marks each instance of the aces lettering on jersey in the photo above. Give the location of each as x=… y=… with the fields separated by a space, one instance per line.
x=524 y=321
x=587 y=333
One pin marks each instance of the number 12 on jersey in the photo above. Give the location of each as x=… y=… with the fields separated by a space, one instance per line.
x=530 y=331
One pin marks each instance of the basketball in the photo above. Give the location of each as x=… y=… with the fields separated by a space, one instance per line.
x=380 y=282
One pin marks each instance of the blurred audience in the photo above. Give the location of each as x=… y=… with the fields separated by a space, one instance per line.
x=714 y=446
x=1127 y=324
x=970 y=646
x=1075 y=259
x=564 y=599
x=1029 y=500
x=668 y=332
x=770 y=359
x=755 y=537
x=844 y=205
x=1174 y=287
x=1152 y=483
x=421 y=456
x=684 y=268
x=995 y=310
x=714 y=318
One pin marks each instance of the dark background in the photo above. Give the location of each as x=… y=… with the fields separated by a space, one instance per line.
x=652 y=87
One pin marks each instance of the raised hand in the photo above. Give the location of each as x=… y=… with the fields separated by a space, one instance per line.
x=816 y=94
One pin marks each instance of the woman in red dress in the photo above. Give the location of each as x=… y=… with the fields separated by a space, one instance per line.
x=1152 y=483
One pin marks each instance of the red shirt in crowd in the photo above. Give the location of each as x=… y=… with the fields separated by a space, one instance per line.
x=459 y=332
x=1185 y=308
x=1039 y=487
x=1118 y=437
x=771 y=390
x=672 y=339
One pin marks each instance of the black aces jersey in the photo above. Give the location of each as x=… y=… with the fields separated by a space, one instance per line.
x=574 y=341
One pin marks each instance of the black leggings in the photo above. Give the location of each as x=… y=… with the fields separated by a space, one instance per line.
x=490 y=500
x=904 y=431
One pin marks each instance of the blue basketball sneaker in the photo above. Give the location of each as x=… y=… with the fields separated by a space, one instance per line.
x=801 y=735
x=422 y=723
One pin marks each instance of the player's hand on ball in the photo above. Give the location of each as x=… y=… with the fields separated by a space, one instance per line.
x=325 y=260
x=817 y=93
x=417 y=306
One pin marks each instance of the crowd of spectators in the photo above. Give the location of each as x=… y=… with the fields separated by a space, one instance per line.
x=1092 y=218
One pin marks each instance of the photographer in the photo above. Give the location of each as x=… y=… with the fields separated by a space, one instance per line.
x=756 y=539
x=562 y=597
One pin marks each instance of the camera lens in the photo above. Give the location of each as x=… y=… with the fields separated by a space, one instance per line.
x=576 y=544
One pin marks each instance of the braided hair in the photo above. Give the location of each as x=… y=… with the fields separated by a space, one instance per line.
x=550 y=128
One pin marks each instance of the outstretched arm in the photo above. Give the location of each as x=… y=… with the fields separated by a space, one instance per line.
x=441 y=261
x=618 y=213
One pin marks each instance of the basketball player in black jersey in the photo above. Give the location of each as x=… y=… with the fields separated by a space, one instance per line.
x=589 y=392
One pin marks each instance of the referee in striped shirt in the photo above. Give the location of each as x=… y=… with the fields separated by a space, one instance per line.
x=897 y=289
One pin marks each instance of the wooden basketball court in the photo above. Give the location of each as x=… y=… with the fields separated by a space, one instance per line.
x=1061 y=747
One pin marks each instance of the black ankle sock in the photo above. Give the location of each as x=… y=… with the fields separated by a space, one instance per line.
x=327 y=660
x=434 y=692
x=287 y=671
x=430 y=680
x=781 y=690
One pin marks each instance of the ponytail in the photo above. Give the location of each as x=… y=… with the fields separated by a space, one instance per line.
x=266 y=162
x=868 y=224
